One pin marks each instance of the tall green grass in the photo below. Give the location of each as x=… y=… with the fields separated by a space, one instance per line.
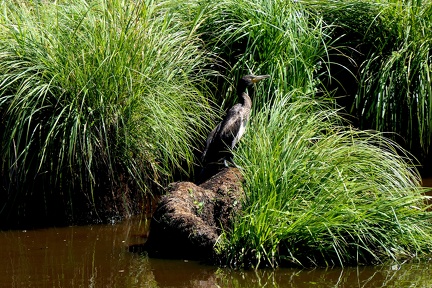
x=322 y=194
x=97 y=97
x=278 y=38
x=395 y=85
x=393 y=39
x=318 y=193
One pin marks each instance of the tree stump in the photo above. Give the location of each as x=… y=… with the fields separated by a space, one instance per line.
x=189 y=218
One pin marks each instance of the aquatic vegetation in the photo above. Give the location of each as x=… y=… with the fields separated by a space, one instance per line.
x=322 y=194
x=395 y=83
x=319 y=193
x=97 y=98
x=279 y=38
x=392 y=40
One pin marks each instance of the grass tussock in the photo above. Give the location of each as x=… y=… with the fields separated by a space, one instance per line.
x=399 y=72
x=278 y=38
x=319 y=194
x=392 y=40
x=96 y=95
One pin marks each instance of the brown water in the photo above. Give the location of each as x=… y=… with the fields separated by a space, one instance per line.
x=98 y=256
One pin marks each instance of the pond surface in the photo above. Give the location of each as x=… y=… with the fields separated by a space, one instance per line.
x=98 y=256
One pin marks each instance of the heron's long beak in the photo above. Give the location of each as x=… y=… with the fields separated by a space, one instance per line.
x=258 y=78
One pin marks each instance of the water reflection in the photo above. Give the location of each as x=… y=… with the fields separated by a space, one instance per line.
x=98 y=256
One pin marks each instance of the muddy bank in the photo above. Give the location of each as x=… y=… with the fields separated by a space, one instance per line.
x=35 y=208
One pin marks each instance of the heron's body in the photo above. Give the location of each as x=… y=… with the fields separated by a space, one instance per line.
x=228 y=132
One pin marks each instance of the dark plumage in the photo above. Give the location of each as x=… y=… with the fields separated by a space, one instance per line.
x=228 y=132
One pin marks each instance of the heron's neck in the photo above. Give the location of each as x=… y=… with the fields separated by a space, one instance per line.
x=245 y=100
x=245 y=97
